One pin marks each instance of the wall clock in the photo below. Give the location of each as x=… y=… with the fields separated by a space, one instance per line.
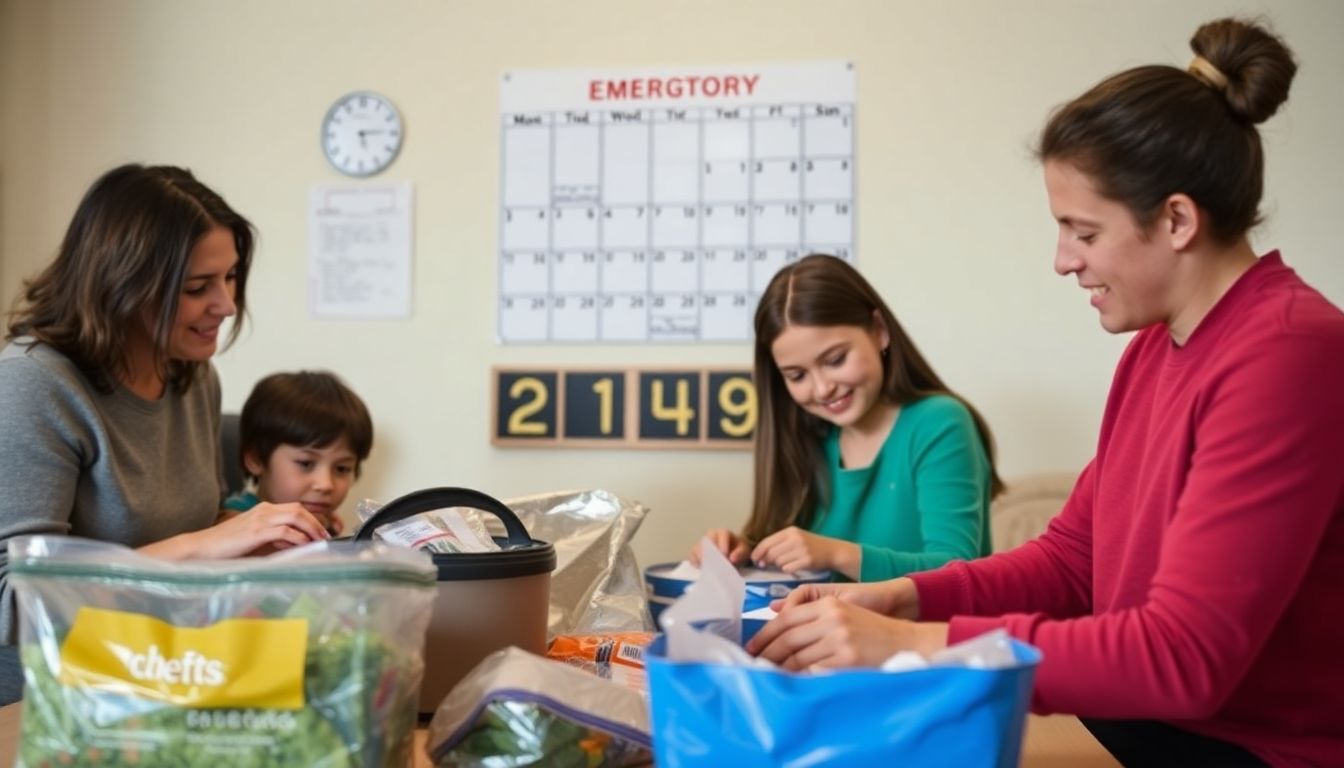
x=361 y=133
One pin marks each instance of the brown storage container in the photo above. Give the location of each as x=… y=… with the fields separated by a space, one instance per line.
x=486 y=600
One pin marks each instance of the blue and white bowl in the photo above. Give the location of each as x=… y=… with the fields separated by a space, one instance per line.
x=762 y=587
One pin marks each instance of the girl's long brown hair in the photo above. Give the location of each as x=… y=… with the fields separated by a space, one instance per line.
x=790 y=475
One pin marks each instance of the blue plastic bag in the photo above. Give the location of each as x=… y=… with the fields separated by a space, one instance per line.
x=719 y=714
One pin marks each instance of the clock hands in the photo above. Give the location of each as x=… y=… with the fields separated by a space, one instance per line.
x=366 y=132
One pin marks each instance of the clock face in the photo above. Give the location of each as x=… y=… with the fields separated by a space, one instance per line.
x=361 y=133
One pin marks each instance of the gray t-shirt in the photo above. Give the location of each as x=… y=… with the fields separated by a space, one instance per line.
x=113 y=467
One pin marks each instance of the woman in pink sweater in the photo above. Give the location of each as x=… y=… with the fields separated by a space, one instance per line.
x=1186 y=597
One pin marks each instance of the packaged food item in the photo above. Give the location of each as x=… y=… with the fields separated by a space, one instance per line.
x=310 y=657
x=618 y=657
x=446 y=530
x=519 y=710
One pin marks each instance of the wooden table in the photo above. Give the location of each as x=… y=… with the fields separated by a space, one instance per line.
x=1056 y=741
x=1060 y=741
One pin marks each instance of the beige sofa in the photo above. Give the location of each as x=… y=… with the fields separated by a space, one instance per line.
x=1022 y=511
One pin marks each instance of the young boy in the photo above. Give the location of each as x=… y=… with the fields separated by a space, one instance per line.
x=302 y=437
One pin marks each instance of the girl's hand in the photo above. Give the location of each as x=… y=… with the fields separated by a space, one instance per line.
x=732 y=546
x=794 y=549
x=831 y=632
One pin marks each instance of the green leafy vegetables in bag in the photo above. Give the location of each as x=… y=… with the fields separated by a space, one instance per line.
x=524 y=734
x=313 y=660
x=352 y=683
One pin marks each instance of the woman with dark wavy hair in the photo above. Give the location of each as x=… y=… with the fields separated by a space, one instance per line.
x=109 y=406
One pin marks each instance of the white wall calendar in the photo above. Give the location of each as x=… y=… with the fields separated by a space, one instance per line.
x=655 y=205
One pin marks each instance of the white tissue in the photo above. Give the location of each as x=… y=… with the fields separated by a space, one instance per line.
x=764 y=613
x=715 y=605
x=991 y=650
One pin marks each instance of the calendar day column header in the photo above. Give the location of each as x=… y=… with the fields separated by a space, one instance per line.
x=527 y=119
x=631 y=90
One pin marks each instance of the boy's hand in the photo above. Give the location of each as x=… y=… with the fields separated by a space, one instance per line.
x=333 y=524
x=325 y=514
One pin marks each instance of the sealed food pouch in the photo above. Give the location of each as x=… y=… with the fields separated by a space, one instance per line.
x=618 y=656
x=309 y=657
x=519 y=710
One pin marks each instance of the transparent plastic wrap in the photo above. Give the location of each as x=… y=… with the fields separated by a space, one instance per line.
x=597 y=586
x=516 y=709
x=310 y=657
x=446 y=531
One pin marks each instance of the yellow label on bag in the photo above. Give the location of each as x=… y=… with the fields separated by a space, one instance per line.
x=232 y=663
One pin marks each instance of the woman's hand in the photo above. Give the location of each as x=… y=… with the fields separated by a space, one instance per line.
x=264 y=528
x=794 y=549
x=895 y=598
x=832 y=632
x=733 y=547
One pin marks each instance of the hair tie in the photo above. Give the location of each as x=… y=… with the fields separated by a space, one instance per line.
x=1209 y=74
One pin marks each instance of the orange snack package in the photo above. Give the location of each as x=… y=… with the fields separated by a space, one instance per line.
x=618 y=656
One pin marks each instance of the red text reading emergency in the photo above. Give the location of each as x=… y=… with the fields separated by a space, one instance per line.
x=637 y=88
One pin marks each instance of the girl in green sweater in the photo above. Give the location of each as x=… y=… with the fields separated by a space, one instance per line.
x=866 y=463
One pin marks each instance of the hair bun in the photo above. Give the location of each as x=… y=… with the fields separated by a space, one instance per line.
x=1256 y=65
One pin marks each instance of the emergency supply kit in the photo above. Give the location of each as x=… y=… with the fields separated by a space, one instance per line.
x=483 y=601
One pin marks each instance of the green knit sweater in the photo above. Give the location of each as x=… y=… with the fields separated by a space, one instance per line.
x=924 y=500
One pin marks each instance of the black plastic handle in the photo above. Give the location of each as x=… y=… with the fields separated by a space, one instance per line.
x=437 y=498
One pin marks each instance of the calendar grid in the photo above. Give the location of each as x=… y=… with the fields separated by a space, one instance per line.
x=700 y=225
x=550 y=232
x=664 y=223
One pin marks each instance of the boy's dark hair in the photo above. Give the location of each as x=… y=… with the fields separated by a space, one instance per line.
x=304 y=408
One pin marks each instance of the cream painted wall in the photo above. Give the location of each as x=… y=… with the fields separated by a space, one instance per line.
x=23 y=117
x=953 y=225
